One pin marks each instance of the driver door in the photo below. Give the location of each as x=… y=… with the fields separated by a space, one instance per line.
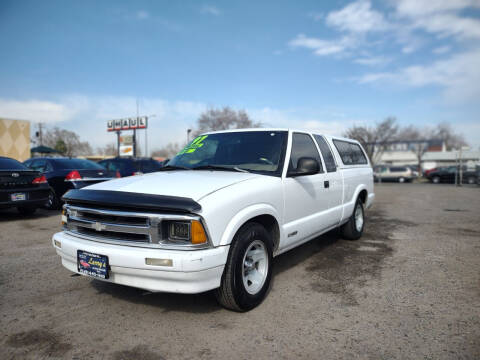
x=306 y=197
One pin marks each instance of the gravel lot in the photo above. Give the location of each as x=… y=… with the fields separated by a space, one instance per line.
x=409 y=289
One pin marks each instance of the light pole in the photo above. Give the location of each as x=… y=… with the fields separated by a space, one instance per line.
x=188 y=135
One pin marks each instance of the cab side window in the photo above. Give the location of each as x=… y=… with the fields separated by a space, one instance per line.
x=330 y=164
x=303 y=146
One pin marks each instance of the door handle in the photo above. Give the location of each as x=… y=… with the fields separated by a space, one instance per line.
x=326 y=184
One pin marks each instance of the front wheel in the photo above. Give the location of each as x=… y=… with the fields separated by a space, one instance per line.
x=401 y=180
x=353 y=229
x=246 y=278
x=436 y=180
x=471 y=180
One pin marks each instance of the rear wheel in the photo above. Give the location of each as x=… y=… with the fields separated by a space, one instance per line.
x=53 y=202
x=436 y=180
x=246 y=278
x=24 y=210
x=401 y=180
x=353 y=229
x=471 y=180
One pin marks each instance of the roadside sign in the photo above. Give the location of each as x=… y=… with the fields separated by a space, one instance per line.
x=142 y=123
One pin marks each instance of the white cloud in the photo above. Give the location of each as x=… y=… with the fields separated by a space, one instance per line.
x=441 y=17
x=322 y=47
x=373 y=60
x=210 y=10
x=459 y=76
x=35 y=110
x=441 y=50
x=357 y=17
x=142 y=15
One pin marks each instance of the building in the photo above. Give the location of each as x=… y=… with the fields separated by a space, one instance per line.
x=15 y=139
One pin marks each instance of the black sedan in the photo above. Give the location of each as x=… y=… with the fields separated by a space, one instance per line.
x=451 y=175
x=128 y=166
x=21 y=187
x=64 y=174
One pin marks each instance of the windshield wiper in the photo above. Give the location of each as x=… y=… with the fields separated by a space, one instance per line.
x=221 y=168
x=174 y=167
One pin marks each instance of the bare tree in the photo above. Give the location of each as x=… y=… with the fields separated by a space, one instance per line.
x=222 y=119
x=107 y=150
x=168 y=151
x=451 y=139
x=374 y=138
x=418 y=140
x=67 y=142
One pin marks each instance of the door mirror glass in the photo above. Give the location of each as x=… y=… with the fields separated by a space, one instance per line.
x=305 y=166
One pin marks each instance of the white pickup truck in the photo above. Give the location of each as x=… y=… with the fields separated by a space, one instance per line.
x=218 y=213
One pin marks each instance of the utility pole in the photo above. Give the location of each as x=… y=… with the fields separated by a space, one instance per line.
x=188 y=135
x=40 y=135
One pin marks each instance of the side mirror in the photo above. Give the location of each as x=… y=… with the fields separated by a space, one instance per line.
x=305 y=166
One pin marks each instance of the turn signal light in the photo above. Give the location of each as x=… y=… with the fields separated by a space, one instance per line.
x=198 y=235
x=73 y=175
x=40 y=180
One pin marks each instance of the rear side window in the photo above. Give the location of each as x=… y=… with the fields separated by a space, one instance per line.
x=303 y=146
x=327 y=154
x=398 y=169
x=11 y=164
x=350 y=153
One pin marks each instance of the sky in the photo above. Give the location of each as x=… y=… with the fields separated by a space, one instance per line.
x=314 y=65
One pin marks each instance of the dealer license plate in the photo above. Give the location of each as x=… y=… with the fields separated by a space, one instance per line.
x=18 y=197
x=92 y=264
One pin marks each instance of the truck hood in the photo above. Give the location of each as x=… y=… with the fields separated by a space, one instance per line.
x=194 y=184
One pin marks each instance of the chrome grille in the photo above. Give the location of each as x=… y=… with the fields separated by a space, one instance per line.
x=126 y=227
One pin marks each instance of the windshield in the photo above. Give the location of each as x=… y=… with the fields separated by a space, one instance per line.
x=254 y=151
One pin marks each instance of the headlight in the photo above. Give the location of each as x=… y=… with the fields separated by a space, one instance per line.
x=185 y=231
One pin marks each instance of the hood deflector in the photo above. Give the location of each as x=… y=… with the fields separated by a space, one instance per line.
x=131 y=200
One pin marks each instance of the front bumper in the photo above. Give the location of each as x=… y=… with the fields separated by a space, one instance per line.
x=192 y=271
x=370 y=199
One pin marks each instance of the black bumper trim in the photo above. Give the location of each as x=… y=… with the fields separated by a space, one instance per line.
x=131 y=200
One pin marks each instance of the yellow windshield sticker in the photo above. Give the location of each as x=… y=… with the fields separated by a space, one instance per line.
x=194 y=145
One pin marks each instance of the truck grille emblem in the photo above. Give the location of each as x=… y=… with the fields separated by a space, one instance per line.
x=98 y=226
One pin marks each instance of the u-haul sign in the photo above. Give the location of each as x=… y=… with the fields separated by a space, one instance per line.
x=127 y=123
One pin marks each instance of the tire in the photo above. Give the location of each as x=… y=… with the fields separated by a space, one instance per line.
x=53 y=202
x=471 y=180
x=26 y=210
x=237 y=292
x=401 y=179
x=350 y=230
x=436 y=180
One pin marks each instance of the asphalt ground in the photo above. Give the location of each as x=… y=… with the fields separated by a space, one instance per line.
x=409 y=289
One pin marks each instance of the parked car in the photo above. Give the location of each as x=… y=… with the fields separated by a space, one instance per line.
x=21 y=187
x=127 y=166
x=399 y=174
x=218 y=213
x=415 y=172
x=64 y=174
x=449 y=174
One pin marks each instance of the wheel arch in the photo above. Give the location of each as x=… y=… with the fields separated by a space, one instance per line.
x=263 y=214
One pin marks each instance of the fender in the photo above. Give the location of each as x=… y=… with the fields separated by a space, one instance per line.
x=348 y=205
x=246 y=214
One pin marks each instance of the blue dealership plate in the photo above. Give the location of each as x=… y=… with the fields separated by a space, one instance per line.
x=92 y=264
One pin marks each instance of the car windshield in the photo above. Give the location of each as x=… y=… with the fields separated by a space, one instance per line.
x=11 y=164
x=77 y=164
x=254 y=151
